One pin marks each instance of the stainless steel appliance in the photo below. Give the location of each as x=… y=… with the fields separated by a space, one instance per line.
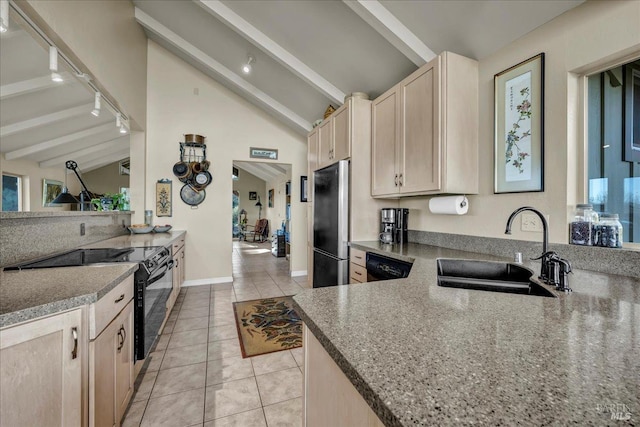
x=380 y=267
x=394 y=225
x=331 y=225
x=153 y=283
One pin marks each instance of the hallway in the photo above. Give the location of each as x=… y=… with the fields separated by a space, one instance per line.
x=197 y=377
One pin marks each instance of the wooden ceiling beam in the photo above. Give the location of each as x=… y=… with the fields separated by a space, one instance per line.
x=32 y=85
x=103 y=161
x=45 y=119
x=271 y=48
x=243 y=86
x=56 y=142
x=390 y=27
x=100 y=148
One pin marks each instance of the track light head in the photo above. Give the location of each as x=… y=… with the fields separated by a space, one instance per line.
x=4 y=16
x=118 y=120
x=123 y=129
x=246 y=68
x=96 y=105
x=53 y=64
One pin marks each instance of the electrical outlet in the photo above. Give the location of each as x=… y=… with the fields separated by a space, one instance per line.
x=530 y=222
x=82 y=229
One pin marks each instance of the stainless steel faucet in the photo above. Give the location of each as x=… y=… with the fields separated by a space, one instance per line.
x=549 y=259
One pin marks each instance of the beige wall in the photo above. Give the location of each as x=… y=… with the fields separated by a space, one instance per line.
x=104 y=36
x=574 y=42
x=246 y=183
x=32 y=176
x=231 y=126
x=106 y=179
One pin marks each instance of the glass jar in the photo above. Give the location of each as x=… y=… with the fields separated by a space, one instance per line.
x=148 y=218
x=608 y=232
x=582 y=226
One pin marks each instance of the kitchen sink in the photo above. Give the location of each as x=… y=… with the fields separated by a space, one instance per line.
x=489 y=276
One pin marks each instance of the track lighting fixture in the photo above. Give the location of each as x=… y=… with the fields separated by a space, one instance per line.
x=123 y=129
x=96 y=105
x=246 y=68
x=53 y=64
x=4 y=16
x=118 y=120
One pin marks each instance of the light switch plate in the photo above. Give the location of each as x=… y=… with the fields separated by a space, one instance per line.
x=530 y=222
x=82 y=229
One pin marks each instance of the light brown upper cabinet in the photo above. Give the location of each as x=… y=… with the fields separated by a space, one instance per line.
x=334 y=136
x=425 y=131
x=312 y=161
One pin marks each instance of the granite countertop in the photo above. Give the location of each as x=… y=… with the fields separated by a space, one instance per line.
x=421 y=354
x=28 y=294
x=48 y=214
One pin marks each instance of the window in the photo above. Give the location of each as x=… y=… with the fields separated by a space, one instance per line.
x=614 y=145
x=11 y=193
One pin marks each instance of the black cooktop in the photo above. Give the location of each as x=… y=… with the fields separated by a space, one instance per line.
x=81 y=257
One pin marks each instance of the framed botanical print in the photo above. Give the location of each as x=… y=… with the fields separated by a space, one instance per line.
x=519 y=127
x=50 y=190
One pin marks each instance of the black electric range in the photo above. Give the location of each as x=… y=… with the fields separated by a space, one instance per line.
x=153 y=283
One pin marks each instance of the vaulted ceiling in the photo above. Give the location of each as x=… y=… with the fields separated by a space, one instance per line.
x=307 y=54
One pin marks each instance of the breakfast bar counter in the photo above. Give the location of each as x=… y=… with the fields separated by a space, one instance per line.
x=421 y=354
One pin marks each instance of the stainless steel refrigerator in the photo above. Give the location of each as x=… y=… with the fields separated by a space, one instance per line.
x=331 y=225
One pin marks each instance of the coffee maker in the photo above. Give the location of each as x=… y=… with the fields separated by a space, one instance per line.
x=393 y=225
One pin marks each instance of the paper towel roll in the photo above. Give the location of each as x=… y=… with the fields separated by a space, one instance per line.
x=449 y=205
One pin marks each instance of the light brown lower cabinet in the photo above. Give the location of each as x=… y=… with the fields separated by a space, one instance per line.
x=111 y=372
x=41 y=381
x=329 y=397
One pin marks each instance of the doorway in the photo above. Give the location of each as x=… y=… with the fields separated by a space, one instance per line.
x=261 y=207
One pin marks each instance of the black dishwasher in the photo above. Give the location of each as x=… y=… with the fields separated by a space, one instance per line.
x=380 y=267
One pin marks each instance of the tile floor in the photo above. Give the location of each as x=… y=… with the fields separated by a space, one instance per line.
x=197 y=377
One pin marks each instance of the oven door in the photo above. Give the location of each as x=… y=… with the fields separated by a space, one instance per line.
x=151 y=309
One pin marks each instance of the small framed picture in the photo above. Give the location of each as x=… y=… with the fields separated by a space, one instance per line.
x=271 y=198
x=519 y=127
x=50 y=190
x=253 y=195
x=303 y=188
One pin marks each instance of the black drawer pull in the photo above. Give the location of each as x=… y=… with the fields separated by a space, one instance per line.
x=119 y=299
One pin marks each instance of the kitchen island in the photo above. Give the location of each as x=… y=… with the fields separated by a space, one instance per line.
x=420 y=354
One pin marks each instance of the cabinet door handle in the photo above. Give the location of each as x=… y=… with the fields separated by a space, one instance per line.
x=74 y=334
x=396 y=180
x=358 y=273
x=120 y=298
x=122 y=336
x=401 y=180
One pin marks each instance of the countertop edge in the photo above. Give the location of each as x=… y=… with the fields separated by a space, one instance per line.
x=14 y=318
x=376 y=404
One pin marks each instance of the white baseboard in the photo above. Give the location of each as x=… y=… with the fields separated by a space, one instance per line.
x=298 y=273
x=211 y=281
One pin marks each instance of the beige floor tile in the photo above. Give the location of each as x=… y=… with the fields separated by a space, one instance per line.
x=181 y=409
x=254 y=418
x=226 y=348
x=193 y=312
x=146 y=385
x=221 y=286
x=168 y=326
x=182 y=356
x=195 y=303
x=280 y=386
x=191 y=324
x=271 y=293
x=227 y=310
x=163 y=341
x=183 y=339
x=226 y=332
x=298 y=354
x=221 y=320
x=284 y=414
x=231 y=398
x=228 y=369
x=199 y=289
x=134 y=414
x=179 y=379
x=247 y=296
x=155 y=360
x=272 y=362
